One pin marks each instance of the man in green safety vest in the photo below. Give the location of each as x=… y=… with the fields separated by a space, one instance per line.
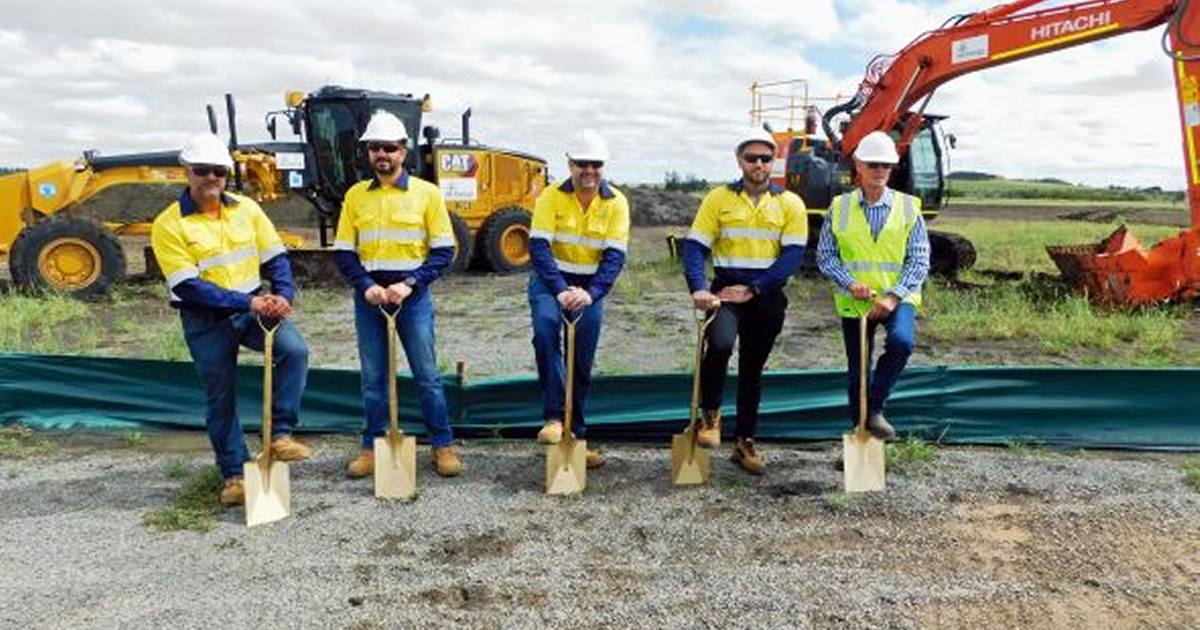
x=875 y=249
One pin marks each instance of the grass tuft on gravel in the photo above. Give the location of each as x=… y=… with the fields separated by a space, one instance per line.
x=1191 y=472
x=1026 y=446
x=18 y=441
x=193 y=507
x=910 y=455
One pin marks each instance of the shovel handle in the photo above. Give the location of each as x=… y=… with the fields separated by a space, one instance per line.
x=269 y=326
x=863 y=356
x=569 y=394
x=394 y=432
x=703 y=319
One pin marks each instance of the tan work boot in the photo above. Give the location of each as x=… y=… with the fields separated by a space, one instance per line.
x=747 y=457
x=594 y=458
x=234 y=493
x=551 y=433
x=363 y=465
x=710 y=429
x=446 y=462
x=286 y=449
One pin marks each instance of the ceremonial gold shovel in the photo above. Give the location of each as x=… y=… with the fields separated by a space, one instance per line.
x=395 y=453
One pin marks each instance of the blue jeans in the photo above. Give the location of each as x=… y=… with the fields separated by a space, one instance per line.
x=549 y=342
x=414 y=326
x=897 y=347
x=214 y=343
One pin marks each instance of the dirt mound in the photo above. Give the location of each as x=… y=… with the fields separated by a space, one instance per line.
x=649 y=206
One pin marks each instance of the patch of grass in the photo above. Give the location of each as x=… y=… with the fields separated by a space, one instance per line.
x=910 y=455
x=1057 y=190
x=1021 y=247
x=168 y=343
x=134 y=439
x=193 y=507
x=177 y=469
x=47 y=323
x=1060 y=323
x=18 y=441
x=836 y=501
x=1191 y=472
x=13 y=473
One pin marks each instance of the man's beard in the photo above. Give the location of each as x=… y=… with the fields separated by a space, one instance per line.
x=383 y=168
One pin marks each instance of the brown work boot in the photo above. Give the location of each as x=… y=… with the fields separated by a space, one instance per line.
x=551 y=433
x=747 y=457
x=363 y=465
x=710 y=429
x=446 y=462
x=880 y=427
x=594 y=458
x=234 y=493
x=286 y=449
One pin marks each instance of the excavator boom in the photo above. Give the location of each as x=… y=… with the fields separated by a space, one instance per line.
x=1118 y=270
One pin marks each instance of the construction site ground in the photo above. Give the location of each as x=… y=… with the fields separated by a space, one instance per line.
x=1020 y=536
x=1003 y=538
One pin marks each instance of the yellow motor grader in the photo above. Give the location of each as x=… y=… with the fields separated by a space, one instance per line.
x=490 y=192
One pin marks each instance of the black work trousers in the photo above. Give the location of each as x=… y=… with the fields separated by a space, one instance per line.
x=756 y=323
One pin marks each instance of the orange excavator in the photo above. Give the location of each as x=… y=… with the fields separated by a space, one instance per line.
x=1118 y=270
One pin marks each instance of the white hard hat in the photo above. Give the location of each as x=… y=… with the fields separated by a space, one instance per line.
x=384 y=127
x=755 y=134
x=588 y=145
x=205 y=148
x=877 y=146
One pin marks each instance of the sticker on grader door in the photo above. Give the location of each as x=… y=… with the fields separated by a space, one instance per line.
x=459 y=188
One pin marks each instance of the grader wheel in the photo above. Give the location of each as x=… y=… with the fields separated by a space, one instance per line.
x=462 y=243
x=69 y=254
x=504 y=239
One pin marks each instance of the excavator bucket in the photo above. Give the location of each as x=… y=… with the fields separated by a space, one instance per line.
x=1119 y=271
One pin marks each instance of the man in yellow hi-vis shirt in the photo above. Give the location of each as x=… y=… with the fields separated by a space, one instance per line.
x=214 y=247
x=756 y=233
x=394 y=238
x=577 y=243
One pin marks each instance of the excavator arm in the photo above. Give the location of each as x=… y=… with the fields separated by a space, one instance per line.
x=895 y=84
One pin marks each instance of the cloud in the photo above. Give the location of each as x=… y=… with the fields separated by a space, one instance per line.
x=117 y=106
x=666 y=82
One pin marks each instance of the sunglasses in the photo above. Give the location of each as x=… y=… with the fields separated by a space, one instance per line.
x=586 y=164
x=383 y=146
x=204 y=170
x=761 y=158
x=877 y=165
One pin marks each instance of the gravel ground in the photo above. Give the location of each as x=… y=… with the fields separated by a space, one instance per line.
x=983 y=538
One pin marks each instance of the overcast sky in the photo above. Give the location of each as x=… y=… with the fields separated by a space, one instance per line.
x=665 y=81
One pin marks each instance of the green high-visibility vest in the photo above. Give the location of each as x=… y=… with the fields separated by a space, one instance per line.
x=873 y=262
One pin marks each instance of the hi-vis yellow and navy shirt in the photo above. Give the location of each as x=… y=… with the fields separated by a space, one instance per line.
x=217 y=264
x=571 y=246
x=756 y=245
x=387 y=234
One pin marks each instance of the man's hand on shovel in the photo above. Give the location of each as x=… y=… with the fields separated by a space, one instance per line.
x=704 y=300
x=397 y=292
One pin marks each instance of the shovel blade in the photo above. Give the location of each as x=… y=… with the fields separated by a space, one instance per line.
x=566 y=467
x=689 y=465
x=863 y=462
x=268 y=492
x=395 y=468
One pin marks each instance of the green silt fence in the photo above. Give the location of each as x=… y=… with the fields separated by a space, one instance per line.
x=1066 y=407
